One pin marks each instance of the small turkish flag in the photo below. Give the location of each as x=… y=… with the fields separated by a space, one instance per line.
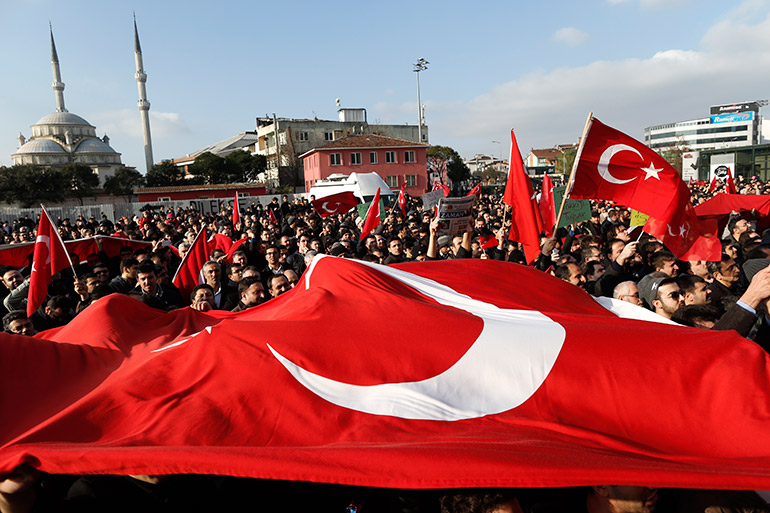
x=713 y=185
x=476 y=190
x=372 y=216
x=189 y=273
x=402 y=200
x=487 y=241
x=445 y=188
x=49 y=258
x=335 y=204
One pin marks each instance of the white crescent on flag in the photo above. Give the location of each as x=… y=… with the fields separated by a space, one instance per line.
x=499 y=372
x=604 y=162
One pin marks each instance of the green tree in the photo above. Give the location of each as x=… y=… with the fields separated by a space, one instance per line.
x=123 y=182
x=674 y=154
x=165 y=174
x=565 y=161
x=79 y=181
x=244 y=166
x=492 y=174
x=211 y=169
x=30 y=185
x=457 y=170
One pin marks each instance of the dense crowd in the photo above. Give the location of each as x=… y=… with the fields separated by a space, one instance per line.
x=599 y=255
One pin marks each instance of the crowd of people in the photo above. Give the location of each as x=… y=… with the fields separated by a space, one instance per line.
x=601 y=255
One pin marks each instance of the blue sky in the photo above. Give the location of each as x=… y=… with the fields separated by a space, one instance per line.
x=493 y=66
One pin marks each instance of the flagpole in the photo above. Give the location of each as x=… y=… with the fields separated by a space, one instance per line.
x=181 y=264
x=58 y=236
x=567 y=189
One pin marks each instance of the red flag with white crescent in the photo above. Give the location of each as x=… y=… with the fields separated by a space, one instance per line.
x=335 y=204
x=402 y=200
x=611 y=165
x=49 y=258
x=482 y=382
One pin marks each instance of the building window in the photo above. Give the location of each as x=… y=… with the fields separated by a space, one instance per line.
x=282 y=138
x=390 y=157
x=355 y=158
x=303 y=136
x=328 y=136
x=411 y=180
x=393 y=181
x=372 y=157
x=335 y=159
x=409 y=156
x=164 y=198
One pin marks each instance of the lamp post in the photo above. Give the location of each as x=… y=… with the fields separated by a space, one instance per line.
x=420 y=65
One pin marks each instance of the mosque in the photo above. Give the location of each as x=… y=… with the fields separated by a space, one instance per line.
x=62 y=138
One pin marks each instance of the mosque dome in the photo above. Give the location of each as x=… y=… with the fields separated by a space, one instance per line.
x=94 y=146
x=41 y=146
x=62 y=118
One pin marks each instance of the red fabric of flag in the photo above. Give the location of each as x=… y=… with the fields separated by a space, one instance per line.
x=18 y=255
x=402 y=200
x=273 y=219
x=372 y=220
x=526 y=222
x=219 y=241
x=488 y=241
x=713 y=185
x=613 y=166
x=335 y=204
x=547 y=206
x=237 y=244
x=444 y=188
x=49 y=258
x=484 y=383
x=189 y=273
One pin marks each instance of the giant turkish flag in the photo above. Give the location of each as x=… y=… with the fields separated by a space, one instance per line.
x=494 y=375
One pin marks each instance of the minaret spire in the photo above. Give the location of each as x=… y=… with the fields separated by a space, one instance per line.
x=143 y=104
x=57 y=84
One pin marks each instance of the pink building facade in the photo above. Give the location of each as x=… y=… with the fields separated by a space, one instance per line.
x=396 y=161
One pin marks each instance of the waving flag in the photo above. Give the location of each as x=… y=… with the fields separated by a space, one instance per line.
x=49 y=258
x=547 y=206
x=188 y=275
x=335 y=204
x=613 y=166
x=483 y=383
x=372 y=219
x=526 y=223
x=475 y=191
x=402 y=200
x=236 y=210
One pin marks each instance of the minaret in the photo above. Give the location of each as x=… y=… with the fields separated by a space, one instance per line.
x=143 y=104
x=57 y=84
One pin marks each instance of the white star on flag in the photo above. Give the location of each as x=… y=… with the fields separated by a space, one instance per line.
x=652 y=171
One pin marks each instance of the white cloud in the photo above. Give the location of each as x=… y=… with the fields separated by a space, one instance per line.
x=616 y=2
x=548 y=107
x=569 y=36
x=128 y=122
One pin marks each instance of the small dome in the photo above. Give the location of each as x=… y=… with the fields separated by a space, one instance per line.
x=94 y=146
x=62 y=118
x=41 y=146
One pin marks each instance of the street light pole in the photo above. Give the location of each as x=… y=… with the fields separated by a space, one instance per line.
x=420 y=65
